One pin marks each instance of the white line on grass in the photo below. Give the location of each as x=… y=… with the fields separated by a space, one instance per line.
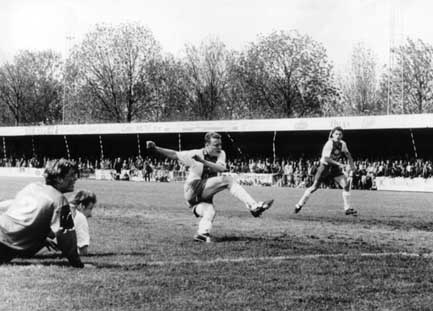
x=285 y=258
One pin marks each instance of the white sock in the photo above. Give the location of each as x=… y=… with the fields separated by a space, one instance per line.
x=204 y=226
x=242 y=195
x=305 y=197
x=346 y=200
x=207 y=213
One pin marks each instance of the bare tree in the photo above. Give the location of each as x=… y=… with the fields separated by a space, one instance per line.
x=206 y=74
x=408 y=86
x=31 y=87
x=112 y=68
x=360 y=85
x=287 y=74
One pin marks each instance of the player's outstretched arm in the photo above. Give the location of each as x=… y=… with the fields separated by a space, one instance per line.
x=216 y=167
x=168 y=153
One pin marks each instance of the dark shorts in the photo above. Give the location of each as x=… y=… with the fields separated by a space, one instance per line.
x=193 y=194
x=327 y=173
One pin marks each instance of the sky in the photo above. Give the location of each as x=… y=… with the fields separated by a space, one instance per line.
x=337 y=24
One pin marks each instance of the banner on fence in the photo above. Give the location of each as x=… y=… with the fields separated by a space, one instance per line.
x=253 y=179
x=21 y=172
x=104 y=174
x=405 y=184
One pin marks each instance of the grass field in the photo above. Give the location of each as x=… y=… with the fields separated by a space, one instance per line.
x=143 y=256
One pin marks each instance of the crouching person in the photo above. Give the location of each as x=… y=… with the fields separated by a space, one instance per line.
x=41 y=211
x=81 y=206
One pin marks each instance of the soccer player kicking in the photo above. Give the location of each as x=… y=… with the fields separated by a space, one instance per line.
x=203 y=182
x=331 y=169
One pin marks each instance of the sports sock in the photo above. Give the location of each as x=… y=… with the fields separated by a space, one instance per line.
x=204 y=226
x=241 y=194
x=305 y=197
x=207 y=213
x=346 y=199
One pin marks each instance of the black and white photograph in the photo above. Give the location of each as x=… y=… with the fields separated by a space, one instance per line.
x=216 y=155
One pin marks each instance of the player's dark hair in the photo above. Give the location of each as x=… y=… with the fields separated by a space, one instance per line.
x=58 y=169
x=337 y=128
x=84 y=197
x=210 y=135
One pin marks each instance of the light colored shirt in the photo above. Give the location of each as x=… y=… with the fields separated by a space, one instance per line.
x=196 y=168
x=81 y=229
x=331 y=149
x=31 y=216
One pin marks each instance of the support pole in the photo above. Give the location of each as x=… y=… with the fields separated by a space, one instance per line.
x=68 y=153
x=179 y=138
x=138 y=145
x=413 y=144
x=101 y=146
x=4 y=148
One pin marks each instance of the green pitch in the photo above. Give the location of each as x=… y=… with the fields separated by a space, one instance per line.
x=143 y=256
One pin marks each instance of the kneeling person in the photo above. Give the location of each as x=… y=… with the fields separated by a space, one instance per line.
x=82 y=206
x=41 y=211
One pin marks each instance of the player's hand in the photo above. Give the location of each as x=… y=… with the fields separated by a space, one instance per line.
x=150 y=145
x=197 y=158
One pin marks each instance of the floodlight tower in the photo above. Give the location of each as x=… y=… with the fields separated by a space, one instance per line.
x=396 y=38
x=68 y=44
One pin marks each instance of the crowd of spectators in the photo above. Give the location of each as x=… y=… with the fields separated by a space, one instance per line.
x=290 y=173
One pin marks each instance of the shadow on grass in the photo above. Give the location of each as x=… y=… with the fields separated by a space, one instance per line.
x=229 y=238
x=392 y=222
x=59 y=263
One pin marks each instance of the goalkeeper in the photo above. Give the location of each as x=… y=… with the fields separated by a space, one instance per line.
x=41 y=211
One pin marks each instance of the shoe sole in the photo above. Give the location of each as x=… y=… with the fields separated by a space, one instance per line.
x=354 y=213
x=202 y=241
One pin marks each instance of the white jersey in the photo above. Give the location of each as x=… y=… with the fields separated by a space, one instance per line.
x=333 y=149
x=196 y=170
x=30 y=216
x=81 y=229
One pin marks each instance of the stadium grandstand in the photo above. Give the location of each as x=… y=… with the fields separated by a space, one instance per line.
x=395 y=146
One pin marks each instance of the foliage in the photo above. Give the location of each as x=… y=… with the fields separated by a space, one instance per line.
x=31 y=87
x=360 y=86
x=206 y=78
x=409 y=83
x=114 y=70
x=286 y=74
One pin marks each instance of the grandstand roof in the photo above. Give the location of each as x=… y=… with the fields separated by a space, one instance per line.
x=265 y=125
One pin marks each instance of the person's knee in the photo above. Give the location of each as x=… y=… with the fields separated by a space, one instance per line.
x=205 y=210
x=314 y=186
x=227 y=180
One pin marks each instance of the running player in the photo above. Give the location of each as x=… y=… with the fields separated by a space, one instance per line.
x=203 y=182
x=331 y=169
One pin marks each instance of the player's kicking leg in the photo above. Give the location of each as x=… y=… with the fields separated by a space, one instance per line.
x=216 y=184
x=345 y=184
